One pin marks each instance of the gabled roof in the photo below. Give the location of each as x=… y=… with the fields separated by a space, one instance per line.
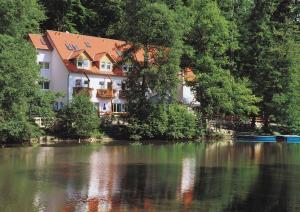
x=92 y=45
x=40 y=42
x=69 y=45
x=77 y=53
x=98 y=56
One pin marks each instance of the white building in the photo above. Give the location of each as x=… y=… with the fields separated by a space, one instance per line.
x=72 y=63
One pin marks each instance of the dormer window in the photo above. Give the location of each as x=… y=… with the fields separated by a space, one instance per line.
x=106 y=66
x=127 y=68
x=103 y=65
x=83 y=63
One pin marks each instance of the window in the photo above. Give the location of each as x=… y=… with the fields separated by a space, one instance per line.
x=108 y=66
x=58 y=106
x=78 y=83
x=83 y=64
x=45 y=85
x=103 y=65
x=127 y=68
x=109 y=85
x=123 y=85
x=117 y=107
x=44 y=65
x=119 y=85
x=86 y=82
x=102 y=84
x=104 y=107
x=124 y=107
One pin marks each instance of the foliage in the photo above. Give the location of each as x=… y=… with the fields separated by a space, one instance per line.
x=18 y=18
x=41 y=105
x=78 y=119
x=18 y=83
x=92 y=17
x=66 y=15
x=166 y=121
x=217 y=90
x=264 y=59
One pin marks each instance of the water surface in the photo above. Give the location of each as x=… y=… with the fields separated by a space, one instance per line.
x=173 y=177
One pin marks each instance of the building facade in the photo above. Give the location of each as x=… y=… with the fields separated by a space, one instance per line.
x=72 y=64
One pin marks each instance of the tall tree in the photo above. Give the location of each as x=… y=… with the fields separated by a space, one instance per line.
x=217 y=90
x=264 y=55
x=18 y=18
x=19 y=71
x=66 y=15
x=157 y=31
x=18 y=82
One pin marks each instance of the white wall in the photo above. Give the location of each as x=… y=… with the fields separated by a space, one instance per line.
x=45 y=56
x=59 y=75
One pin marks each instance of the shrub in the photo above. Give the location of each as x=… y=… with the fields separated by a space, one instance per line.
x=78 y=119
x=181 y=122
x=164 y=122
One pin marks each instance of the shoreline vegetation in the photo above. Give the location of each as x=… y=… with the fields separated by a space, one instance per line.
x=245 y=56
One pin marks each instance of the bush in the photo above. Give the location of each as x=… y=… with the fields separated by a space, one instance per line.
x=164 y=122
x=181 y=123
x=78 y=119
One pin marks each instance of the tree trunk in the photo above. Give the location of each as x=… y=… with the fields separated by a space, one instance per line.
x=266 y=122
x=253 y=122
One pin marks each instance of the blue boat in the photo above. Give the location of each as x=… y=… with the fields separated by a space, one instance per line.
x=256 y=138
x=288 y=138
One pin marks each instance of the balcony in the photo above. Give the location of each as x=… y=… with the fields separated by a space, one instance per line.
x=105 y=93
x=82 y=90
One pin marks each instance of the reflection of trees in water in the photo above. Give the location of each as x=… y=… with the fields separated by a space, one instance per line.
x=212 y=177
x=276 y=187
x=225 y=173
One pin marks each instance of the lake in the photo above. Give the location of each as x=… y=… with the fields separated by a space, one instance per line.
x=158 y=177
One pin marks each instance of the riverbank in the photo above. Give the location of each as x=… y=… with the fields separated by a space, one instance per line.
x=45 y=141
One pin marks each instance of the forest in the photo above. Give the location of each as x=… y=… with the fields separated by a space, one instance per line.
x=245 y=55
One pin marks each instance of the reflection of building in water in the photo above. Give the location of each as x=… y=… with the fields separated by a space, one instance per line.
x=188 y=180
x=258 y=152
x=105 y=180
x=45 y=156
x=100 y=193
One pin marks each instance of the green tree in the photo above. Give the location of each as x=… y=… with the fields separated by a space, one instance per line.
x=217 y=90
x=18 y=18
x=66 y=15
x=41 y=105
x=157 y=31
x=270 y=29
x=79 y=118
x=18 y=83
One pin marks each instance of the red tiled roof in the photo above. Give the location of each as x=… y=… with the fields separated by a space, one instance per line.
x=40 y=42
x=95 y=47
x=75 y=54
x=70 y=46
x=100 y=55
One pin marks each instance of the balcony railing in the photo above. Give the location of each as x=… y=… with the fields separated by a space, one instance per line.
x=105 y=93
x=82 y=90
